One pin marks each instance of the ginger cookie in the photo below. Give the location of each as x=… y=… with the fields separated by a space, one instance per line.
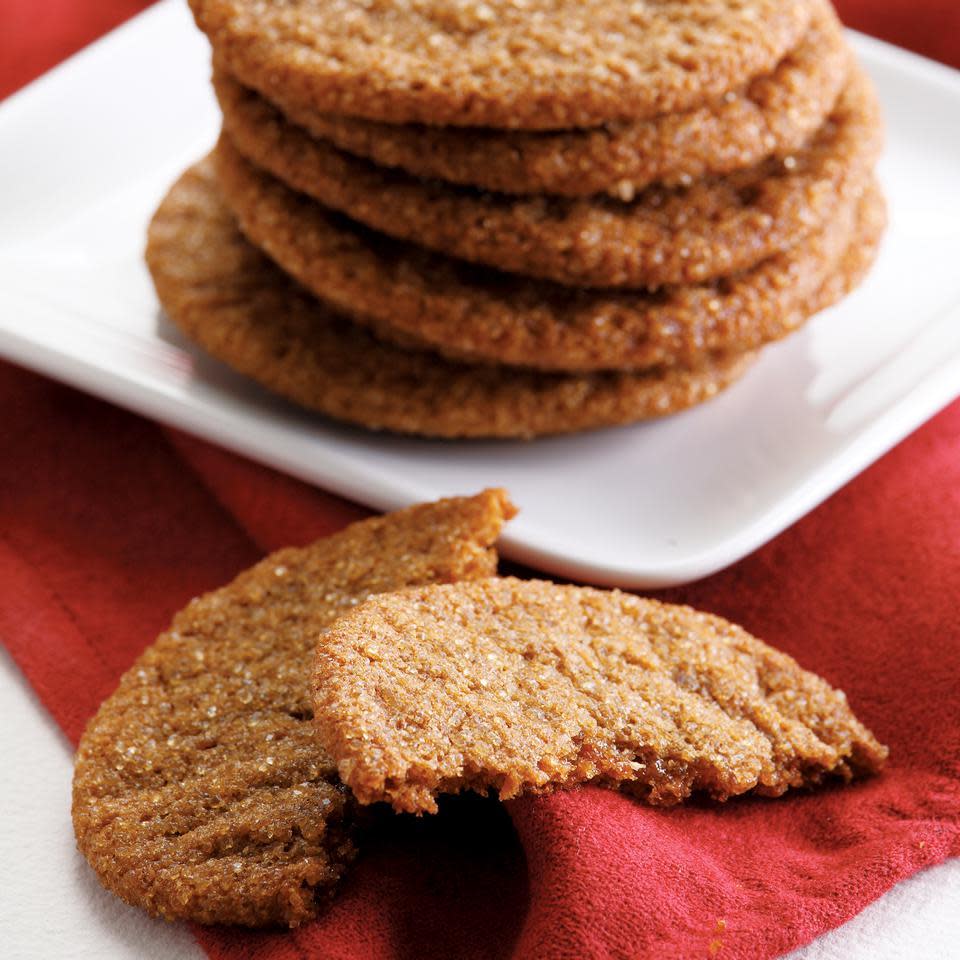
x=200 y=791
x=775 y=114
x=526 y=686
x=238 y=306
x=468 y=312
x=686 y=235
x=539 y=65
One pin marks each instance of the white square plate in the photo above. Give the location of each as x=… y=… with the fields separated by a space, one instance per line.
x=89 y=150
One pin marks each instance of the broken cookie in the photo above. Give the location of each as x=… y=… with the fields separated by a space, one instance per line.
x=200 y=791
x=526 y=686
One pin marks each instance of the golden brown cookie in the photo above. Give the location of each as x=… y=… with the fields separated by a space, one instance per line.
x=464 y=311
x=687 y=235
x=200 y=791
x=525 y=686
x=773 y=115
x=231 y=300
x=540 y=64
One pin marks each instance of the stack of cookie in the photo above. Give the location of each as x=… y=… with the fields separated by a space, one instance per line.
x=507 y=218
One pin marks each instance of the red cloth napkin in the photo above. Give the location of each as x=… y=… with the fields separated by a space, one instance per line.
x=108 y=524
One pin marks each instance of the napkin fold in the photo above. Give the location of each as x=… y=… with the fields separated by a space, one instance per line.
x=109 y=524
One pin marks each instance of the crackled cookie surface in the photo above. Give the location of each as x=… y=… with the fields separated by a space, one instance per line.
x=539 y=64
x=465 y=311
x=232 y=301
x=713 y=228
x=525 y=686
x=200 y=791
x=774 y=114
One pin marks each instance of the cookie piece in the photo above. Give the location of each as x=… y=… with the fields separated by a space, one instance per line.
x=538 y=65
x=466 y=312
x=525 y=686
x=200 y=791
x=231 y=300
x=688 y=235
x=774 y=114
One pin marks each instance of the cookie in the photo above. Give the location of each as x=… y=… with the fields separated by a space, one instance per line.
x=540 y=64
x=773 y=115
x=232 y=301
x=687 y=235
x=467 y=312
x=526 y=686
x=200 y=792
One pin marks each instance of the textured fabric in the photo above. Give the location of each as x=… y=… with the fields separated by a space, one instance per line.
x=108 y=524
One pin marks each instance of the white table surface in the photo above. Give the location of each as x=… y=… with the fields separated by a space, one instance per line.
x=51 y=906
